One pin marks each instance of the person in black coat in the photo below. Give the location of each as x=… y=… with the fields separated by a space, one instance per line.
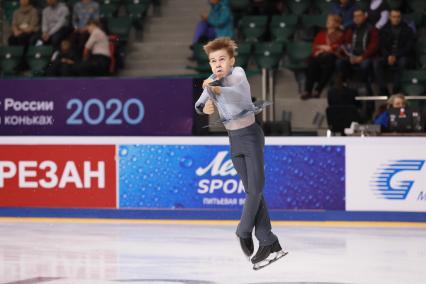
x=63 y=64
x=396 y=41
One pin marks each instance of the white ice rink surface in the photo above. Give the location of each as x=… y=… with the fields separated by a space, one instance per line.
x=75 y=252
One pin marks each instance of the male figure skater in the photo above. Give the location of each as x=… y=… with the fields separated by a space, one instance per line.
x=229 y=90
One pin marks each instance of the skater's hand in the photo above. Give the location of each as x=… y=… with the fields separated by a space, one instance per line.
x=207 y=82
x=215 y=89
x=208 y=107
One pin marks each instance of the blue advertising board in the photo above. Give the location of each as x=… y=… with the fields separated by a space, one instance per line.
x=202 y=176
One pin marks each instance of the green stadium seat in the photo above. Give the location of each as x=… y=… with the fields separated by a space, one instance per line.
x=423 y=61
x=314 y=21
x=418 y=6
x=240 y=5
x=297 y=54
x=283 y=27
x=242 y=54
x=414 y=76
x=324 y=6
x=239 y=9
x=10 y=58
x=38 y=59
x=120 y=27
x=201 y=58
x=253 y=28
x=311 y=25
x=138 y=2
x=109 y=2
x=107 y=10
x=268 y=54
x=413 y=89
x=395 y=4
x=9 y=7
x=137 y=11
x=298 y=7
x=363 y=4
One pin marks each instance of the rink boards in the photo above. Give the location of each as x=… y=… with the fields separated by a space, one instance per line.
x=306 y=178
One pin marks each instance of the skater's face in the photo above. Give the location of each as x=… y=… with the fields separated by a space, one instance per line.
x=214 y=2
x=220 y=62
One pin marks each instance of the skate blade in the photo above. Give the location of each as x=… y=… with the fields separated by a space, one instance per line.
x=269 y=260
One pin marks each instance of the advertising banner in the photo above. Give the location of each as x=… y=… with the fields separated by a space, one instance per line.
x=67 y=176
x=386 y=177
x=202 y=176
x=96 y=107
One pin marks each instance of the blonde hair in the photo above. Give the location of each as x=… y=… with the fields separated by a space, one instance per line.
x=394 y=97
x=221 y=43
x=336 y=18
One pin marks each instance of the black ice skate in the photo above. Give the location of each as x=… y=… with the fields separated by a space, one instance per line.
x=266 y=255
x=247 y=246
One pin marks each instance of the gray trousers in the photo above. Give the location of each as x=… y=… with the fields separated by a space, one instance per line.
x=247 y=146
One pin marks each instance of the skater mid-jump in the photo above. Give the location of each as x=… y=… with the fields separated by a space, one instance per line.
x=228 y=89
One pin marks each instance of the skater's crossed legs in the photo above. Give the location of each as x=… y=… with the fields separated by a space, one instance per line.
x=255 y=212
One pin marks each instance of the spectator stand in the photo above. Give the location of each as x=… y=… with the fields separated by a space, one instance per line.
x=119 y=18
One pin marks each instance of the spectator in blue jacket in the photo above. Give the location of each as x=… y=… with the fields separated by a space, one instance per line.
x=218 y=22
x=345 y=9
x=395 y=101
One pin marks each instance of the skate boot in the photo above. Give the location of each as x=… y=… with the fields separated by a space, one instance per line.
x=266 y=255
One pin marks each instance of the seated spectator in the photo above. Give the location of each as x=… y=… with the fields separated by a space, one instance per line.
x=378 y=13
x=96 y=55
x=344 y=9
x=395 y=101
x=323 y=59
x=360 y=45
x=83 y=12
x=25 y=24
x=55 y=23
x=218 y=23
x=63 y=64
x=396 y=43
